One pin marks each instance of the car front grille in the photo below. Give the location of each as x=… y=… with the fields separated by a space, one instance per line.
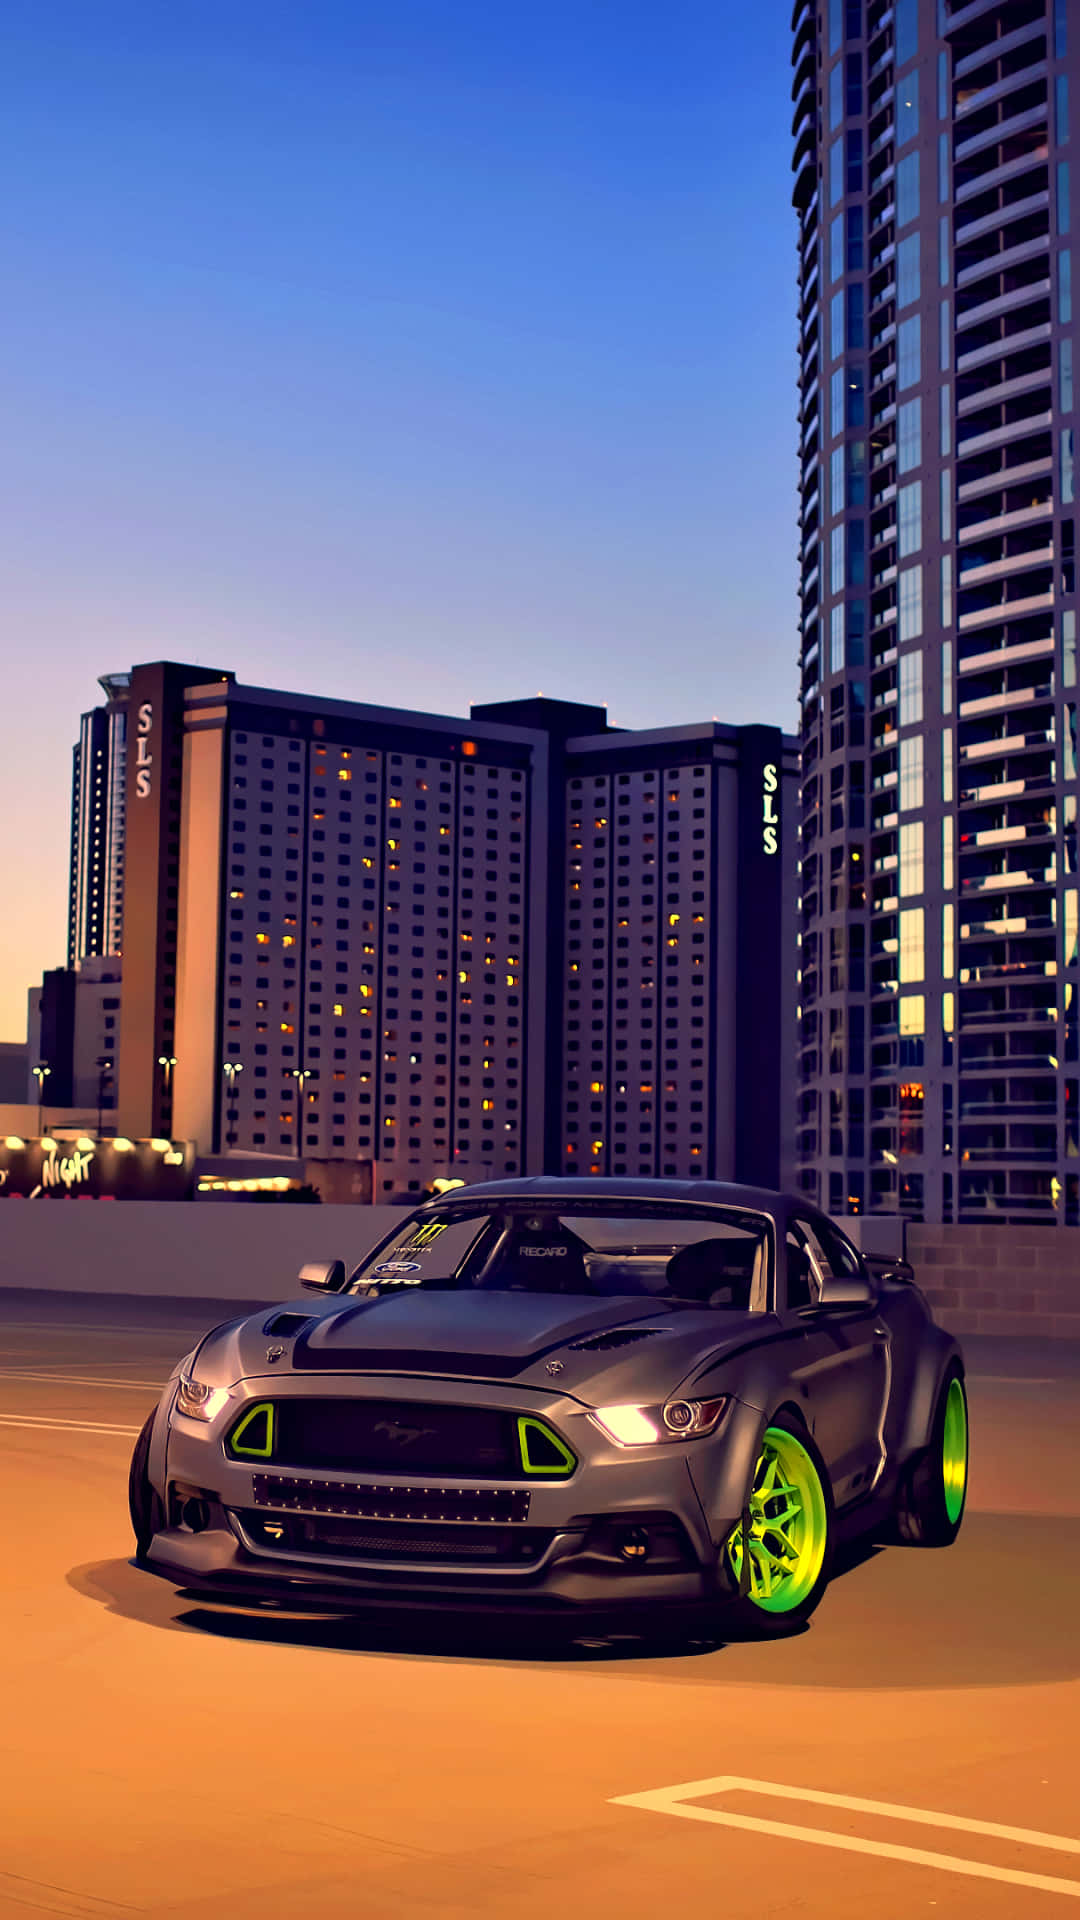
x=394 y=1436
x=453 y=1505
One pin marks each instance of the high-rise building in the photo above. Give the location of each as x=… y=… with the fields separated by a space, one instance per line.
x=73 y=1028
x=939 y=1070
x=96 y=883
x=521 y=942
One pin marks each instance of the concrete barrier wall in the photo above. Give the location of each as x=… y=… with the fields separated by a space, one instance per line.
x=217 y=1250
x=1009 y=1280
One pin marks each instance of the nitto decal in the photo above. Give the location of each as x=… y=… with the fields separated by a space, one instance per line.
x=399 y=1266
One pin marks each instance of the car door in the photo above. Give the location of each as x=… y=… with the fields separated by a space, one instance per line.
x=841 y=1361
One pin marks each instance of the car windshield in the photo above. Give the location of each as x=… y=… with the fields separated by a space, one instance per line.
x=713 y=1257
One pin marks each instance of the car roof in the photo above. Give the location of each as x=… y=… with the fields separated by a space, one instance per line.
x=544 y=1186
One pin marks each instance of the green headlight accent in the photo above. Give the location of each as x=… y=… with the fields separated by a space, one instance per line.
x=954 y=1451
x=252 y=1438
x=788 y=1526
x=541 y=1449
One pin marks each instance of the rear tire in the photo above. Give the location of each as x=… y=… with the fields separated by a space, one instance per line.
x=933 y=1492
x=144 y=1505
x=790 y=1536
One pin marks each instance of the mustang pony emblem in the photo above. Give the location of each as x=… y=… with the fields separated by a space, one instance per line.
x=274 y=1353
x=554 y=1366
x=405 y=1434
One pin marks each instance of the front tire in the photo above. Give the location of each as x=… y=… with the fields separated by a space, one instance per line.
x=143 y=1503
x=788 y=1529
x=930 y=1502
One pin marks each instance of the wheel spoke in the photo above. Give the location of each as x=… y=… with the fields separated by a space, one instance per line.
x=760 y=1570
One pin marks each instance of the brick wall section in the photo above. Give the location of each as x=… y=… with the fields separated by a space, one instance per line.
x=1011 y=1280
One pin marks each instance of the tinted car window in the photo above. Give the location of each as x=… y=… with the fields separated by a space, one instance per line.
x=801 y=1279
x=839 y=1255
x=666 y=1254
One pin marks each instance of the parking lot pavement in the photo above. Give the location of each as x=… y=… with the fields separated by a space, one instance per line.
x=162 y=1758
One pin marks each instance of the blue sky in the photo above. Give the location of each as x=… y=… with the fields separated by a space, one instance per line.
x=424 y=352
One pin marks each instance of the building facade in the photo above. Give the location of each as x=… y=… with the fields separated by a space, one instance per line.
x=73 y=1028
x=938 y=1057
x=98 y=799
x=465 y=949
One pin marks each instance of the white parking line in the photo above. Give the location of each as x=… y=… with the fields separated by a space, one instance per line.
x=80 y=1380
x=673 y=1800
x=47 y=1424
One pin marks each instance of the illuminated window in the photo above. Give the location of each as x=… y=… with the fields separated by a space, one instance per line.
x=912 y=1015
x=344 y=773
x=338 y=1008
x=262 y=939
x=911 y=773
x=912 y=944
x=288 y=940
x=911 y=683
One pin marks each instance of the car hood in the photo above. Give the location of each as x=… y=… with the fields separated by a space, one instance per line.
x=598 y=1351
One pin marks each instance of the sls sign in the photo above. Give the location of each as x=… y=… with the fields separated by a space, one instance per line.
x=144 y=759
x=770 y=819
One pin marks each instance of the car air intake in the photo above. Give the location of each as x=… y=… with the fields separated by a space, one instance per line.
x=348 y=1539
x=618 y=1337
x=287 y=1323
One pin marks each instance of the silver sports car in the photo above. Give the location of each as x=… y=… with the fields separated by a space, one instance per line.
x=580 y=1397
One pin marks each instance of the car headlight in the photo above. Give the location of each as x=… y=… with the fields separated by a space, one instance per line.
x=645 y=1426
x=199 y=1401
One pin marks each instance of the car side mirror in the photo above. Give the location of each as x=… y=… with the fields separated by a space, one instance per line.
x=845 y=1290
x=884 y=1267
x=323 y=1276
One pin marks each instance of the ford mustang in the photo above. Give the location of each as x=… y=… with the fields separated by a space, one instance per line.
x=578 y=1397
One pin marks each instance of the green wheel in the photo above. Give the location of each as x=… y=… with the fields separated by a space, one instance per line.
x=930 y=1503
x=785 y=1535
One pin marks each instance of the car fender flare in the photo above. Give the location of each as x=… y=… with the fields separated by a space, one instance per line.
x=938 y=1351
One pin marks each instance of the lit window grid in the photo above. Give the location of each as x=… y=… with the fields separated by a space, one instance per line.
x=652 y=1139
x=356 y=1120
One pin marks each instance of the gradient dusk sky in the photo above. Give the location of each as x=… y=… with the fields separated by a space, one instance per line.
x=416 y=351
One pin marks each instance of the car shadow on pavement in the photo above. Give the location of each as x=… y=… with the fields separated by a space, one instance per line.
x=126 y=1589
x=985 y=1613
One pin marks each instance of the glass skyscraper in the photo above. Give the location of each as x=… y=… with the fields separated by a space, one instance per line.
x=938 y=1057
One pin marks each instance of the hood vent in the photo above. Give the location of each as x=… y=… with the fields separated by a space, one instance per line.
x=618 y=1337
x=287 y=1323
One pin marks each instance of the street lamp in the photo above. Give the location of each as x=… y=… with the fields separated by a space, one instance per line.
x=41 y=1073
x=231 y=1068
x=301 y=1074
x=104 y=1070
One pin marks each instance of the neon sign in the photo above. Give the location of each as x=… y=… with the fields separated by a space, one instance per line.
x=769 y=817
x=144 y=759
